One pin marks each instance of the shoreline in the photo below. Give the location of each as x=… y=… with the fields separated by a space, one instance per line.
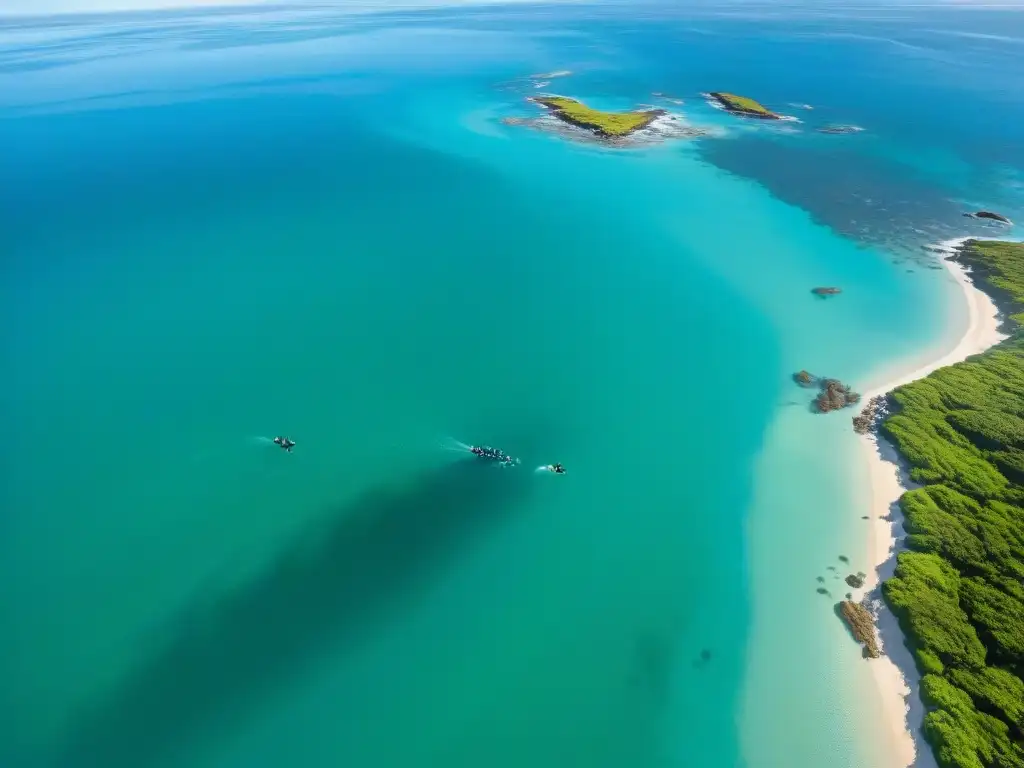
x=896 y=678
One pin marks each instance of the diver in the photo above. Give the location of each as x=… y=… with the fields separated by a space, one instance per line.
x=285 y=443
x=558 y=469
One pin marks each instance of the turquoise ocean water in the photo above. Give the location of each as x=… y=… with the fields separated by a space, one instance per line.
x=225 y=226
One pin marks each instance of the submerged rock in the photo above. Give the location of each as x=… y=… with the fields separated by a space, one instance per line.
x=837 y=129
x=856 y=580
x=552 y=75
x=805 y=378
x=835 y=395
x=862 y=625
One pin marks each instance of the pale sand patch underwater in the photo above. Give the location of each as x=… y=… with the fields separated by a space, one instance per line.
x=896 y=678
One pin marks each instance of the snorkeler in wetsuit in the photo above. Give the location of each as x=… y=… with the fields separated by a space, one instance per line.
x=285 y=443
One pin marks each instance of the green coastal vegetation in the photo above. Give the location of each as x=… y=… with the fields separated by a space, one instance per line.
x=743 y=105
x=958 y=591
x=998 y=267
x=612 y=124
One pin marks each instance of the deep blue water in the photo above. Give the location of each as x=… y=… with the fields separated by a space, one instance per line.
x=224 y=226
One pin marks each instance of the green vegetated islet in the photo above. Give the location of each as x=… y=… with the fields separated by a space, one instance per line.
x=743 y=105
x=959 y=591
x=610 y=124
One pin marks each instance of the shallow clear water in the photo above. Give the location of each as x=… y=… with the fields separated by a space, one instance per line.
x=224 y=228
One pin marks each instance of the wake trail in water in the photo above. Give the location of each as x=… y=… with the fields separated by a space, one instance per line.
x=227 y=450
x=451 y=444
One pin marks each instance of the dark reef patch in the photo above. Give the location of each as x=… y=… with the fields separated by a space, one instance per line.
x=872 y=200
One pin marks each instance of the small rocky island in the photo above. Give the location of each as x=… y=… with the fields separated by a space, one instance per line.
x=833 y=395
x=825 y=292
x=576 y=120
x=743 y=106
x=990 y=215
x=862 y=626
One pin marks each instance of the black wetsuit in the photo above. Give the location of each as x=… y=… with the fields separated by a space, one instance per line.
x=285 y=443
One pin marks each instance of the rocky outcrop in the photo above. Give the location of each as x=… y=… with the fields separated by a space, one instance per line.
x=868 y=419
x=826 y=291
x=862 y=626
x=835 y=395
x=991 y=215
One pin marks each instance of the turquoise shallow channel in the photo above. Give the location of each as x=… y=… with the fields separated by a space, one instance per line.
x=221 y=227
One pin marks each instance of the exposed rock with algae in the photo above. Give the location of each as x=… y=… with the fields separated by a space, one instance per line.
x=862 y=625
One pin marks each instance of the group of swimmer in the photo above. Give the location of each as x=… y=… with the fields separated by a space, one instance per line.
x=503 y=459
x=493 y=454
x=480 y=451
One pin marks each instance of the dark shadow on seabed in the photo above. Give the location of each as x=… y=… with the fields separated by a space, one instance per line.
x=316 y=597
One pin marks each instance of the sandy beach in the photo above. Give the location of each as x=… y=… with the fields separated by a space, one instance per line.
x=896 y=677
